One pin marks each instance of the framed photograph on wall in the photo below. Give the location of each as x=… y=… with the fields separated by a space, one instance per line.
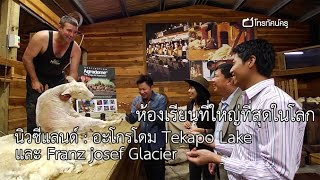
x=172 y=48
x=166 y=51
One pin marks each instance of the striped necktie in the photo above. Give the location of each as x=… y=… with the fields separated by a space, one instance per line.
x=245 y=99
x=224 y=106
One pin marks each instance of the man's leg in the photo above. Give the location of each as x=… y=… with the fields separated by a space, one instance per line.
x=206 y=174
x=194 y=171
x=31 y=102
x=155 y=169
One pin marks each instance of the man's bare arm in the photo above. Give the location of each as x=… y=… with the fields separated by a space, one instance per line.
x=75 y=61
x=33 y=49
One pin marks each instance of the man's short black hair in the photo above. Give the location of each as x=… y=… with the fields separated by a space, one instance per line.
x=210 y=63
x=225 y=69
x=262 y=50
x=145 y=78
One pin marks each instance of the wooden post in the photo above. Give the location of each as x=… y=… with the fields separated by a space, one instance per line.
x=84 y=57
x=9 y=24
x=10 y=12
x=42 y=11
x=4 y=103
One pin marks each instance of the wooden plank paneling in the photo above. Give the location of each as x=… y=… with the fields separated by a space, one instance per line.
x=136 y=70
x=298 y=8
x=17 y=100
x=135 y=5
x=308 y=85
x=17 y=123
x=66 y=5
x=17 y=112
x=106 y=8
x=17 y=116
x=18 y=88
x=257 y=5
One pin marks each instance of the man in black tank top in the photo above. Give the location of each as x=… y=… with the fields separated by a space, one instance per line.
x=45 y=58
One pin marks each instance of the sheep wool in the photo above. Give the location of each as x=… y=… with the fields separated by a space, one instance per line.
x=54 y=115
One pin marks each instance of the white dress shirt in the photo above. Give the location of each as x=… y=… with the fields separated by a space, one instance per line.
x=275 y=150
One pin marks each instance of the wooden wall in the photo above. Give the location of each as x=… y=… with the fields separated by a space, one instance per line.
x=17 y=112
x=17 y=93
x=308 y=85
x=121 y=44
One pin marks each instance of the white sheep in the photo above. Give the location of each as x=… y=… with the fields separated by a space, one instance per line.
x=54 y=115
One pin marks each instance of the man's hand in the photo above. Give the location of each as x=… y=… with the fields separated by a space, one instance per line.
x=65 y=97
x=36 y=85
x=197 y=130
x=138 y=106
x=203 y=156
x=187 y=124
x=211 y=168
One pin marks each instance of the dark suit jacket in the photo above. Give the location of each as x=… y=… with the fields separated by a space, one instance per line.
x=229 y=127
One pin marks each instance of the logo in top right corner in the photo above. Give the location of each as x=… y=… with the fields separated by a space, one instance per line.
x=255 y=22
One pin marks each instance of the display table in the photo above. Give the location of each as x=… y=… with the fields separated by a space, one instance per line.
x=124 y=168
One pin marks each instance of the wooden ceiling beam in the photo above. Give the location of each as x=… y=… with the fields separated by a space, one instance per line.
x=279 y=6
x=83 y=12
x=238 y=4
x=41 y=10
x=36 y=16
x=310 y=14
x=124 y=8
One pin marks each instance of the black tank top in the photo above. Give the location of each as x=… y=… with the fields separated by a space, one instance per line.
x=47 y=64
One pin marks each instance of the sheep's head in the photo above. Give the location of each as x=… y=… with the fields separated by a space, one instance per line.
x=77 y=90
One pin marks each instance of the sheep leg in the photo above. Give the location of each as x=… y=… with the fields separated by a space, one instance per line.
x=87 y=122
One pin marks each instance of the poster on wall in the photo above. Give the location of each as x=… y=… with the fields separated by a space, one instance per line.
x=177 y=51
x=100 y=81
x=166 y=51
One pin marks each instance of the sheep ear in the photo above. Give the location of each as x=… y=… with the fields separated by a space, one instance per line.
x=67 y=91
x=70 y=79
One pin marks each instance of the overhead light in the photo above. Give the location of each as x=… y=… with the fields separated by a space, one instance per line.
x=294 y=53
